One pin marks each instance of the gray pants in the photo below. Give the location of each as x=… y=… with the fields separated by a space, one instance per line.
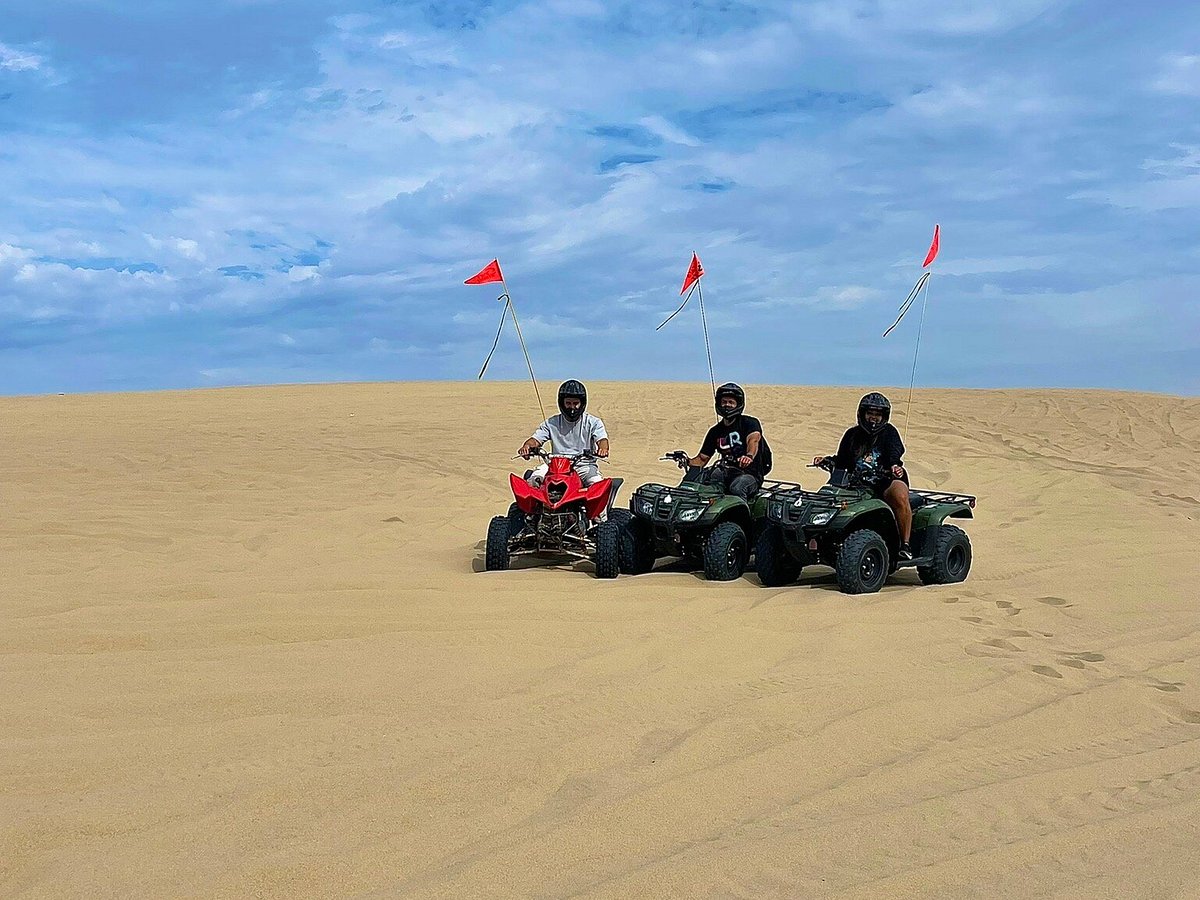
x=741 y=484
x=588 y=471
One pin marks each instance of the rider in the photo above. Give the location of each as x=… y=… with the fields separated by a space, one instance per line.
x=873 y=453
x=739 y=440
x=571 y=432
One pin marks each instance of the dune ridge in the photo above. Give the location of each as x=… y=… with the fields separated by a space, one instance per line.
x=247 y=650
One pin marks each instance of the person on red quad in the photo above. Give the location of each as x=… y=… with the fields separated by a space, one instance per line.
x=571 y=432
x=873 y=453
x=739 y=439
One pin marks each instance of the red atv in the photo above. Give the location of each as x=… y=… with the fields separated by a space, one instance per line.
x=559 y=517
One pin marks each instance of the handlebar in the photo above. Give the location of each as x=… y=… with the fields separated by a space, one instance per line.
x=828 y=464
x=586 y=454
x=679 y=457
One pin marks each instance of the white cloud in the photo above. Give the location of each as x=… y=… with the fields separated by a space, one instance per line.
x=15 y=59
x=1180 y=74
x=10 y=254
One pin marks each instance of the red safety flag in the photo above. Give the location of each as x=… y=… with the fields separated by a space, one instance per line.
x=695 y=270
x=933 y=248
x=486 y=275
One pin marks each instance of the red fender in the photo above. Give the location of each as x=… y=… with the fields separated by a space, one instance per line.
x=596 y=497
x=528 y=497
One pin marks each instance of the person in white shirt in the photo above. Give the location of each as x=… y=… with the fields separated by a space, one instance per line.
x=571 y=432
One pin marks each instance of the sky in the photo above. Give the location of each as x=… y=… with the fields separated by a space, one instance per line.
x=251 y=192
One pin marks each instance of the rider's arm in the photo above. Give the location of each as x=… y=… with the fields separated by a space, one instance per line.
x=602 y=448
x=844 y=459
x=540 y=435
x=707 y=449
x=894 y=453
x=752 y=443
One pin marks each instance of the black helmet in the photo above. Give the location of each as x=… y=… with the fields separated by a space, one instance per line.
x=873 y=400
x=729 y=389
x=576 y=389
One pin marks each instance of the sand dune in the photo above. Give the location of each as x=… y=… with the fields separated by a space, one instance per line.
x=246 y=650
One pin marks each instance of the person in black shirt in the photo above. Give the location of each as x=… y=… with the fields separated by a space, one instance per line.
x=872 y=453
x=745 y=454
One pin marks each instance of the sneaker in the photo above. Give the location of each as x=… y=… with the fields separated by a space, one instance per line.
x=905 y=553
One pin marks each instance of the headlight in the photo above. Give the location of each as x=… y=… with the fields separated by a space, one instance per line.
x=691 y=515
x=822 y=517
x=645 y=508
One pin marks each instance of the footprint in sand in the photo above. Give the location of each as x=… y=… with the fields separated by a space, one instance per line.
x=1048 y=671
x=1054 y=601
x=1191 y=715
x=974 y=620
x=393 y=519
x=1171 y=687
x=994 y=648
x=1009 y=608
x=1001 y=644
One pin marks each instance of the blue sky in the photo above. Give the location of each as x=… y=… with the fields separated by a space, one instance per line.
x=249 y=191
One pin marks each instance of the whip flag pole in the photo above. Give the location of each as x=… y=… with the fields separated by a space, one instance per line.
x=922 y=286
x=691 y=285
x=490 y=274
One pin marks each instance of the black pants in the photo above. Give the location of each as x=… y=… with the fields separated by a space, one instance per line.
x=734 y=481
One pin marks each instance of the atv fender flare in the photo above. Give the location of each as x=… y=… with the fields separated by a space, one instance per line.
x=882 y=522
x=739 y=514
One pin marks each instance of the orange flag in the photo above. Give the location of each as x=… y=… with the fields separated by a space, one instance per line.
x=933 y=248
x=695 y=270
x=486 y=275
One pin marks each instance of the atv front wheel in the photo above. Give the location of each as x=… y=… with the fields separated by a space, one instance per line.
x=637 y=548
x=496 y=556
x=862 y=562
x=608 y=550
x=776 y=567
x=951 y=557
x=516 y=519
x=726 y=552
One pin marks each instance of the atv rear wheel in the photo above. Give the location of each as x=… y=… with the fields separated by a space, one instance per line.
x=951 y=557
x=726 y=552
x=496 y=556
x=862 y=562
x=608 y=550
x=776 y=567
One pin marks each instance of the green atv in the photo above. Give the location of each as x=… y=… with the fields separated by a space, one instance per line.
x=703 y=524
x=848 y=528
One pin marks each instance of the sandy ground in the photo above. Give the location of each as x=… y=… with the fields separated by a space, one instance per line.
x=246 y=649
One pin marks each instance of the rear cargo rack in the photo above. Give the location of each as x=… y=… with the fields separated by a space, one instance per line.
x=944 y=497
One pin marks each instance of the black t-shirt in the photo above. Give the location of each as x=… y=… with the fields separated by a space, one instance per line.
x=730 y=441
x=869 y=458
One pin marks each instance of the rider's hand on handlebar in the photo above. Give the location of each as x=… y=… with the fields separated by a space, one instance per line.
x=817 y=460
x=601 y=454
x=745 y=461
x=898 y=471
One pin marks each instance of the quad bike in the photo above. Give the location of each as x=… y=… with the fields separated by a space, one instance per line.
x=710 y=528
x=560 y=517
x=845 y=526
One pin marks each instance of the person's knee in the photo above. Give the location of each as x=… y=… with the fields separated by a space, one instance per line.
x=744 y=486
